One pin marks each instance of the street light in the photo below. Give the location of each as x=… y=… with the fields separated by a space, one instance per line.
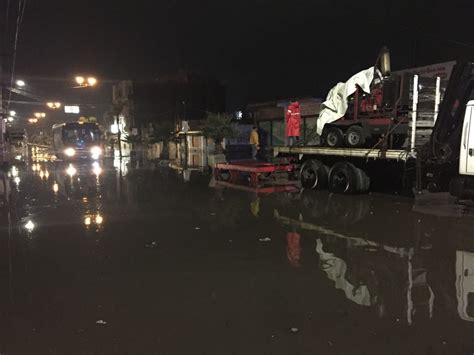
x=86 y=82
x=91 y=81
x=20 y=83
x=32 y=120
x=12 y=113
x=40 y=115
x=53 y=105
x=10 y=119
x=80 y=80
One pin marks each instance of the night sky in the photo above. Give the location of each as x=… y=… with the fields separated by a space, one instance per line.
x=259 y=49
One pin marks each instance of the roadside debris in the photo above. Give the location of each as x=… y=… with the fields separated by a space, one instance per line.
x=265 y=240
x=151 y=245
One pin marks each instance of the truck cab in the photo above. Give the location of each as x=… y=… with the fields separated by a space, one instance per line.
x=466 y=152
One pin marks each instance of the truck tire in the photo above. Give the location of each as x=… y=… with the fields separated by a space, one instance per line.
x=314 y=175
x=345 y=178
x=354 y=137
x=332 y=137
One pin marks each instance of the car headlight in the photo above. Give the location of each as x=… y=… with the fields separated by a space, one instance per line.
x=70 y=152
x=96 y=151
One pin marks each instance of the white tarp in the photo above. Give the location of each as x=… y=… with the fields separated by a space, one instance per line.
x=335 y=105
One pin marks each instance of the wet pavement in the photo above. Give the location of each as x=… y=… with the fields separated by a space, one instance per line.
x=105 y=259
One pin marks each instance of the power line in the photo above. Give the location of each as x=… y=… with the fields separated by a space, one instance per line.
x=21 y=10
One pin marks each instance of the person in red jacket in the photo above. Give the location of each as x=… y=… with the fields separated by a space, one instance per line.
x=293 y=120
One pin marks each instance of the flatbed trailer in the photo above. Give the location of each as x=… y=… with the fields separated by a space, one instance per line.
x=367 y=153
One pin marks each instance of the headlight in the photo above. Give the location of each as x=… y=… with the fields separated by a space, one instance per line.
x=96 y=151
x=70 y=152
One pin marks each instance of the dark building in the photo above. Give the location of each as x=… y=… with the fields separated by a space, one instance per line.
x=170 y=98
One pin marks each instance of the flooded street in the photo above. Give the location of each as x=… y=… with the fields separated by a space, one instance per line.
x=105 y=259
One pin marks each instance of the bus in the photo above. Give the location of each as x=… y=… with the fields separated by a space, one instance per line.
x=77 y=140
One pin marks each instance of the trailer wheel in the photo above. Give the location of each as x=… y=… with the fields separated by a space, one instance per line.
x=347 y=179
x=314 y=175
x=354 y=137
x=333 y=137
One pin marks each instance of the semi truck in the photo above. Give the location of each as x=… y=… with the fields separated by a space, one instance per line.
x=444 y=161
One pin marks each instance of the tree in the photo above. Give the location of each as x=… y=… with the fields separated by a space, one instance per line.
x=218 y=126
x=163 y=132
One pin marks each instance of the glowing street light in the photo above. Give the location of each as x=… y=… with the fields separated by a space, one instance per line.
x=40 y=115
x=32 y=120
x=53 y=105
x=10 y=119
x=80 y=80
x=86 y=82
x=91 y=81
x=20 y=83
x=12 y=113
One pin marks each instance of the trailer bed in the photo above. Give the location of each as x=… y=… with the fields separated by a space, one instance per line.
x=368 y=153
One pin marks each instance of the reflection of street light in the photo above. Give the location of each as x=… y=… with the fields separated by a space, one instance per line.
x=20 y=83
x=30 y=226
x=32 y=120
x=99 y=219
x=71 y=171
x=40 y=115
x=10 y=119
x=53 y=105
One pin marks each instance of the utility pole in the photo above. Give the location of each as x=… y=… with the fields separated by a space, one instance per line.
x=3 y=39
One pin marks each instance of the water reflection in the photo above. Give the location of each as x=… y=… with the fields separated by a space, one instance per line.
x=383 y=256
x=465 y=284
x=30 y=226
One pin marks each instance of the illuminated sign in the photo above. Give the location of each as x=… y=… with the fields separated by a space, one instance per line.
x=71 y=109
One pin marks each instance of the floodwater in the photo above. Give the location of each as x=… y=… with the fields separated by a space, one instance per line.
x=106 y=259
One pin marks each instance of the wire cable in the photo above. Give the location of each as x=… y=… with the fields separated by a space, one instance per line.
x=21 y=10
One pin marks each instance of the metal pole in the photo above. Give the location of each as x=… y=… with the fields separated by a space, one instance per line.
x=437 y=98
x=119 y=136
x=413 y=113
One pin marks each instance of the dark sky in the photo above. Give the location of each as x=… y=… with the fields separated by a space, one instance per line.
x=261 y=49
